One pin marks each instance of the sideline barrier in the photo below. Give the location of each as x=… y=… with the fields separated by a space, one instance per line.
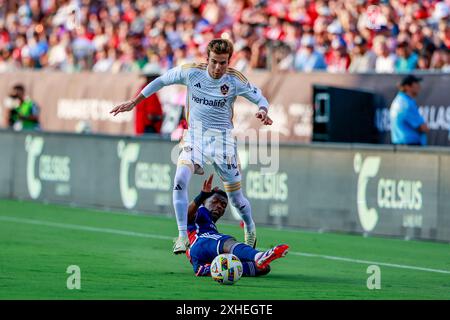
x=69 y=101
x=360 y=189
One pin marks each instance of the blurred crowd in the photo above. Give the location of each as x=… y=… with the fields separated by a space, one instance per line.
x=303 y=35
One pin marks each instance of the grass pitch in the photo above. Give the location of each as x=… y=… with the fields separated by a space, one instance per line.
x=124 y=256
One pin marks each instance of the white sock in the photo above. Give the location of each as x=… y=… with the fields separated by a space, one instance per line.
x=258 y=255
x=244 y=208
x=180 y=197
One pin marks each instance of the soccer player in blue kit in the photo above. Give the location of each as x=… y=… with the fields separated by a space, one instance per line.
x=206 y=242
x=212 y=89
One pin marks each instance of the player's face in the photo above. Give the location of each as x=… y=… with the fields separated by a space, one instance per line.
x=217 y=64
x=413 y=89
x=216 y=205
x=16 y=94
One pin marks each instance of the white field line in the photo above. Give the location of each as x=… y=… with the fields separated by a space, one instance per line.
x=160 y=237
x=84 y=228
x=393 y=265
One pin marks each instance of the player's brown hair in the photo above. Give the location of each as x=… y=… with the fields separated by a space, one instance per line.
x=220 y=46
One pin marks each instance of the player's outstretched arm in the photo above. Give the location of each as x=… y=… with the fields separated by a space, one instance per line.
x=128 y=105
x=176 y=75
x=198 y=201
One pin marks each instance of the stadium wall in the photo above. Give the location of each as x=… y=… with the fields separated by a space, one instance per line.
x=362 y=189
x=71 y=101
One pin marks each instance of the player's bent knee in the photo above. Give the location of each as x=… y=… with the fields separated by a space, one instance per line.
x=185 y=169
x=187 y=164
x=229 y=244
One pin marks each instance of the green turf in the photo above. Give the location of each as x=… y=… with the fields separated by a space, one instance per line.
x=34 y=259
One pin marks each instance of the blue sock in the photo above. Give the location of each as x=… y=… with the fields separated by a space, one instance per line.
x=244 y=252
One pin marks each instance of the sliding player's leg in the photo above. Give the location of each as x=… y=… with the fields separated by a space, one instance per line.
x=259 y=260
x=247 y=256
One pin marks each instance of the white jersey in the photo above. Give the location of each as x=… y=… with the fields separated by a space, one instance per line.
x=209 y=101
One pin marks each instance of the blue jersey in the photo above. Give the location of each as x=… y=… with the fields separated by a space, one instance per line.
x=405 y=121
x=207 y=243
x=203 y=225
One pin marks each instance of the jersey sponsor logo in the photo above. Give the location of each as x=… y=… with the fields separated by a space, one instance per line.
x=198 y=85
x=224 y=89
x=209 y=102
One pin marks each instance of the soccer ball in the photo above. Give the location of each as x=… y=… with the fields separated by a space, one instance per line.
x=226 y=268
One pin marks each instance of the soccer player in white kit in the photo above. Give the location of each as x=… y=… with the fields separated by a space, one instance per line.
x=212 y=89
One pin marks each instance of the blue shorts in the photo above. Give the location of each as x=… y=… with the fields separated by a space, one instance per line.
x=206 y=248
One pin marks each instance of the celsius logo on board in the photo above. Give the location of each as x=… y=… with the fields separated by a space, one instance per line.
x=147 y=176
x=367 y=169
x=269 y=186
x=405 y=195
x=51 y=168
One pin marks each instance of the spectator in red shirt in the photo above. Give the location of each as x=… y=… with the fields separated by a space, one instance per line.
x=149 y=113
x=338 y=59
x=129 y=27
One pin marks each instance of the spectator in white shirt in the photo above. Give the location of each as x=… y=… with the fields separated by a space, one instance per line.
x=103 y=63
x=385 y=61
x=363 y=59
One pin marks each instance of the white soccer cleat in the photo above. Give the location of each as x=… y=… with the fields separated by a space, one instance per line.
x=181 y=245
x=250 y=238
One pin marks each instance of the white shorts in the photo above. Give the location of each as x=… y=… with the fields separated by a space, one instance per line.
x=221 y=153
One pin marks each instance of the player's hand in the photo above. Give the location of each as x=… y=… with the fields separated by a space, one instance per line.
x=207 y=184
x=262 y=115
x=127 y=106
x=268 y=121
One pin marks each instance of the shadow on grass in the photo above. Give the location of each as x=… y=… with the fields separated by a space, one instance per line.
x=291 y=278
